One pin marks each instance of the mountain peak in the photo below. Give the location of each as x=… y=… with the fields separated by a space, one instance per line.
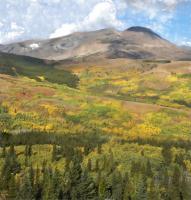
x=134 y=43
x=143 y=30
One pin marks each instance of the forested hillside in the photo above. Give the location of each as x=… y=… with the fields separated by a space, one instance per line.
x=118 y=130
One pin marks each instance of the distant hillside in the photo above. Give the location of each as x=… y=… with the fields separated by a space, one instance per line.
x=35 y=68
x=186 y=47
x=133 y=43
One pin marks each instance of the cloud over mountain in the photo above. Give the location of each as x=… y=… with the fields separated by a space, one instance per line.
x=52 y=18
x=103 y=14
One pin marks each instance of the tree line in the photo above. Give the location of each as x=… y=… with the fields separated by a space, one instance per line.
x=99 y=179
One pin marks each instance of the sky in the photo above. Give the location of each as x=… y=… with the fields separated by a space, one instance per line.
x=42 y=19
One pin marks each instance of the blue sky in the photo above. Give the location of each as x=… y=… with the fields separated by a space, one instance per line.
x=30 y=19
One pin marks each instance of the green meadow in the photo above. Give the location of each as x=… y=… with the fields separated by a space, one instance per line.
x=95 y=132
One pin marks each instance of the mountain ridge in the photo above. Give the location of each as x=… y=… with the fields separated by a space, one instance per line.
x=133 y=43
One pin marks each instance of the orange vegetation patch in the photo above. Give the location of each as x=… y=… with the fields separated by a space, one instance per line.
x=140 y=108
x=183 y=67
x=143 y=108
x=43 y=91
x=39 y=90
x=100 y=63
x=156 y=85
x=6 y=82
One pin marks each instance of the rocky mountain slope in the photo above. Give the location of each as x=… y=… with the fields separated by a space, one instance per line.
x=133 y=43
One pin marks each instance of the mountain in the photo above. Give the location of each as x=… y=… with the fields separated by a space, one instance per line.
x=134 y=43
x=186 y=47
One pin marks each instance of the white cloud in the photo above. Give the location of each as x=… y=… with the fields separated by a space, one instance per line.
x=9 y=36
x=102 y=15
x=154 y=8
x=14 y=26
x=65 y=29
x=157 y=12
x=81 y=1
x=14 y=32
x=186 y=43
x=27 y=19
x=1 y=24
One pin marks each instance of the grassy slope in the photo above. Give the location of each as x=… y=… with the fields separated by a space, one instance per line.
x=36 y=69
x=62 y=109
x=147 y=82
x=34 y=105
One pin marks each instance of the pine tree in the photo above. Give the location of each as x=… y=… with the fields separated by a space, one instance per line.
x=133 y=169
x=10 y=167
x=81 y=186
x=37 y=184
x=176 y=183
x=12 y=151
x=75 y=171
x=30 y=150
x=148 y=171
x=153 y=193
x=26 y=190
x=75 y=174
x=185 y=187
x=117 y=185
x=12 y=159
x=6 y=172
x=102 y=188
x=142 y=168
x=136 y=168
x=96 y=165
x=110 y=163
x=56 y=182
x=179 y=159
x=142 y=189
x=128 y=191
x=31 y=175
x=164 y=181
x=26 y=151
x=12 y=188
x=44 y=165
x=4 y=152
x=167 y=155
x=26 y=161
x=126 y=187
x=104 y=166
x=54 y=153
x=87 y=149
x=48 y=192
x=142 y=152
x=99 y=149
x=98 y=178
x=86 y=189
x=89 y=165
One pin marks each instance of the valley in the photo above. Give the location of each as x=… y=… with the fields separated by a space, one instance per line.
x=95 y=127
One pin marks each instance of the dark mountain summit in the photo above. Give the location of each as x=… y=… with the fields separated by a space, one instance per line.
x=143 y=30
